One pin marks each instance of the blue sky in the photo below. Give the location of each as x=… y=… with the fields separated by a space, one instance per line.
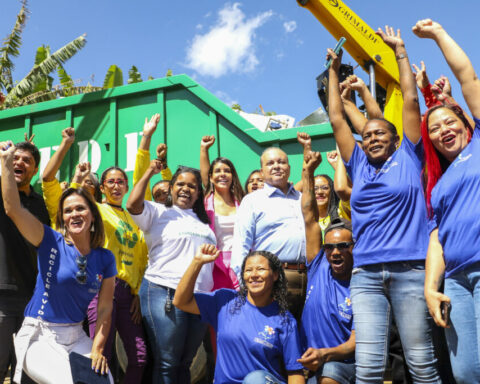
x=250 y=52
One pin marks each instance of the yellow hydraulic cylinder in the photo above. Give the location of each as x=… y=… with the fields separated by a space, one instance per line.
x=366 y=48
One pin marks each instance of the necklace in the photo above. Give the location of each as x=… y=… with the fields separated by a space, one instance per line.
x=115 y=206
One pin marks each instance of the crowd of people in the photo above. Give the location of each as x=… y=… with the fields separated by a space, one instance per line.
x=285 y=283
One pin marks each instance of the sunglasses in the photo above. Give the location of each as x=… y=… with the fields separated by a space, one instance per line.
x=112 y=182
x=328 y=247
x=81 y=275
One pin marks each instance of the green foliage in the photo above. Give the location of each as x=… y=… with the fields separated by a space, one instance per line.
x=169 y=73
x=41 y=71
x=113 y=78
x=236 y=107
x=134 y=76
x=11 y=48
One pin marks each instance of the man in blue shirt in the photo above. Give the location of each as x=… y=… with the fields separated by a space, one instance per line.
x=327 y=319
x=270 y=219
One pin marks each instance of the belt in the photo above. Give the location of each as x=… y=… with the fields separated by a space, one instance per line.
x=295 y=266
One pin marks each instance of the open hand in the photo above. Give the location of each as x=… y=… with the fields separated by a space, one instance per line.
x=99 y=362
x=207 y=142
x=389 y=37
x=206 y=253
x=427 y=29
x=150 y=126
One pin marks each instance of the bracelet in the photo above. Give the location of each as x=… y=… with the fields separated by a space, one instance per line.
x=147 y=136
x=402 y=56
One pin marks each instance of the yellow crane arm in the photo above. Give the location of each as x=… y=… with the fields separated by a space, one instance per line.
x=365 y=46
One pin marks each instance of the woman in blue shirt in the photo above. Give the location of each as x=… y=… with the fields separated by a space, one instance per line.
x=72 y=269
x=254 y=329
x=390 y=229
x=452 y=152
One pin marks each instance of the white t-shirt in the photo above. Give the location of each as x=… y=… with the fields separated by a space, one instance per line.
x=173 y=236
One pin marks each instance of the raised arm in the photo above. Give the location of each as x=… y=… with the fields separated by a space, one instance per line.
x=341 y=130
x=29 y=226
x=313 y=232
x=371 y=105
x=434 y=272
x=205 y=144
x=411 y=108
x=184 y=298
x=456 y=58
x=135 y=202
x=357 y=118
x=149 y=128
x=305 y=141
x=102 y=327
x=53 y=165
x=341 y=182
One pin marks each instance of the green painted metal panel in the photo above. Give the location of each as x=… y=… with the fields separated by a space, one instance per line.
x=109 y=124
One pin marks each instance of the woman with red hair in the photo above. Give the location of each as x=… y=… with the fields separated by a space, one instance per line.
x=452 y=154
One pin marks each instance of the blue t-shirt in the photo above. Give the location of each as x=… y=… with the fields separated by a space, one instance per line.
x=389 y=214
x=251 y=338
x=58 y=297
x=456 y=205
x=327 y=318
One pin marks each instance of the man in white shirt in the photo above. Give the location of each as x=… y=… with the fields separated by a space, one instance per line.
x=270 y=219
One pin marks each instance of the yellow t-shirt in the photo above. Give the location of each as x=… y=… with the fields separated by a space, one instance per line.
x=343 y=212
x=127 y=243
x=51 y=194
x=142 y=161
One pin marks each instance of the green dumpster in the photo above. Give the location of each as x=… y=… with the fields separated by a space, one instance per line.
x=109 y=123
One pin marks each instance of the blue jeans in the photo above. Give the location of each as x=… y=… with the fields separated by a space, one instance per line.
x=379 y=291
x=260 y=377
x=175 y=335
x=340 y=371
x=463 y=336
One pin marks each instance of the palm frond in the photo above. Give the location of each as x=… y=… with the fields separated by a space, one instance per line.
x=113 y=78
x=38 y=72
x=11 y=48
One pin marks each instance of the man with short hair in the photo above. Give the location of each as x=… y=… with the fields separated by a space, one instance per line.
x=18 y=258
x=327 y=319
x=270 y=219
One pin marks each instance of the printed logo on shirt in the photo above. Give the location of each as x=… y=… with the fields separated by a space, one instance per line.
x=95 y=287
x=461 y=159
x=50 y=278
x=345 y=309
x=387 y=166
x=309 y=292
x=125 y=234
x=264 y=336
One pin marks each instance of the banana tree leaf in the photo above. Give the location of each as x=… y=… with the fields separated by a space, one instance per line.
x=113 y=78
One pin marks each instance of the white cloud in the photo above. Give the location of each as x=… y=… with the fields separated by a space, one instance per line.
x=199 y=26
x=228 y=47
x=290 y=26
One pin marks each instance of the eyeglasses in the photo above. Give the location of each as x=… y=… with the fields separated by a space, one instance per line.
x=81 y=275
x=112 y=182
x=328 y=247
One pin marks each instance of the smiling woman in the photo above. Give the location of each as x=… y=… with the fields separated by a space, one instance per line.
x=173 y=232
x=72 y=269
x=386 y=190
x=253 y=323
